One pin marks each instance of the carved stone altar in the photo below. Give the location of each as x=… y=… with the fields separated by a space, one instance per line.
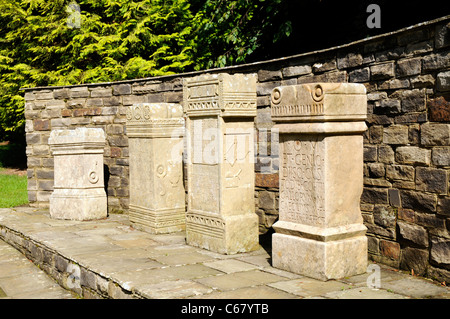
x=155 y=137
x=79 y=192
x=220 y=112
x=320 y=232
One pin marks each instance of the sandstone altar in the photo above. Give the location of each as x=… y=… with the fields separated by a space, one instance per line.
x=155 y=138
x=79 y=192
x=320 y=231
x=220 y=111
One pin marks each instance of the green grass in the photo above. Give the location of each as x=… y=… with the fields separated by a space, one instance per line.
x=13 y=190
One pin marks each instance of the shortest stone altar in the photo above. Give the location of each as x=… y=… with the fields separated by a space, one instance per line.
x=320 y=231
x=79 y=192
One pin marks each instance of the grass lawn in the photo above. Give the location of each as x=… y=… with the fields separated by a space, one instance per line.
x=13 y=189
x=13 y=178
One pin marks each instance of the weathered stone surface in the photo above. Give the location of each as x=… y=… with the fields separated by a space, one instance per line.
x=435 y=134
x=409 y=118
x=318 y=224
x=370 y=153
x=395 y=134
x=389 y=106
x=409 y=67
x=444 y=207
x=382 y=71
x=406 y=214
x=79 y=92
x=157 y=196
x=418 y=201
x=266 y=180
x=376 y=134
x=413 y=101
x=269 y=75
x=101 y=92
x=385 y=154
x=433 y=222
x=432 y=180
x=328 y=65
x=296 y=70
x=384 y=216
x=359 y=75
x=390 y=249
x=435 y=61
x=441 y=35
x=413 y=233
x=376 y=169
x=375 y=96
x=412 y=155
x=440 y=250
x=266 y=200
x=374 y=195
x=41 y=125
x=221 y=207
x=443 y=81
x=400 y=172
x=121 y=89
x=61 y=94
x=79 y=192
x=348 y=60
x=43 y=95
x=421 y=81
x=414 y=259
x=439 y=109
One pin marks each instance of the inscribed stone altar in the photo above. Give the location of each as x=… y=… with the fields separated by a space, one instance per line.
x=220 y=113
x=320 y=232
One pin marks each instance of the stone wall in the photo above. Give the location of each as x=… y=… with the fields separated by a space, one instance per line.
x=406 y=200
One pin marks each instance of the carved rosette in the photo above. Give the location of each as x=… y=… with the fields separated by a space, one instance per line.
x=155 y=120
x=318 y=102
x=145 y=113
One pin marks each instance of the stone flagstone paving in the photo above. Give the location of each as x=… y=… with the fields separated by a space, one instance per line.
x=115 y=260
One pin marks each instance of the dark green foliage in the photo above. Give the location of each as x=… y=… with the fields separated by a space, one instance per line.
x=60 y=42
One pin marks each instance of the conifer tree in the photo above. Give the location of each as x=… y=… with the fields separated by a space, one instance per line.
x=63 y=42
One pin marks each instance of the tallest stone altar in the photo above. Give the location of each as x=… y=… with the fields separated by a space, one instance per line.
x=320 y=232
x=220 y=112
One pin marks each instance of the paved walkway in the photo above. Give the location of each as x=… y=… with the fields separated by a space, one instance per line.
x=110 y=259
x=21 y=279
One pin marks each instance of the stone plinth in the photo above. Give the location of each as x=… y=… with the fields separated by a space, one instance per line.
x=79 y=191
x=220 y=113
x=155 y=137
x=320 y=231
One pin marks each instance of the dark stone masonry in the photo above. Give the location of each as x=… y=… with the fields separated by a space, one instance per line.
x=405 y=202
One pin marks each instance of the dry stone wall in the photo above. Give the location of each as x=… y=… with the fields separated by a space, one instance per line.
x=405 y=201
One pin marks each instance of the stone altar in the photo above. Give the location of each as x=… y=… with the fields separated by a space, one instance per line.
x=320 y=231
x=155 y=138
x=220 y=110
x=79 y=192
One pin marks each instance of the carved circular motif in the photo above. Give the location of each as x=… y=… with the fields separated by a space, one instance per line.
x=160 y=171
x=276 y=96
x=93 y=177
x=317 y=93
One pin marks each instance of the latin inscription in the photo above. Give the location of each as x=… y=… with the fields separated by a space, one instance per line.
x=302 y=181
